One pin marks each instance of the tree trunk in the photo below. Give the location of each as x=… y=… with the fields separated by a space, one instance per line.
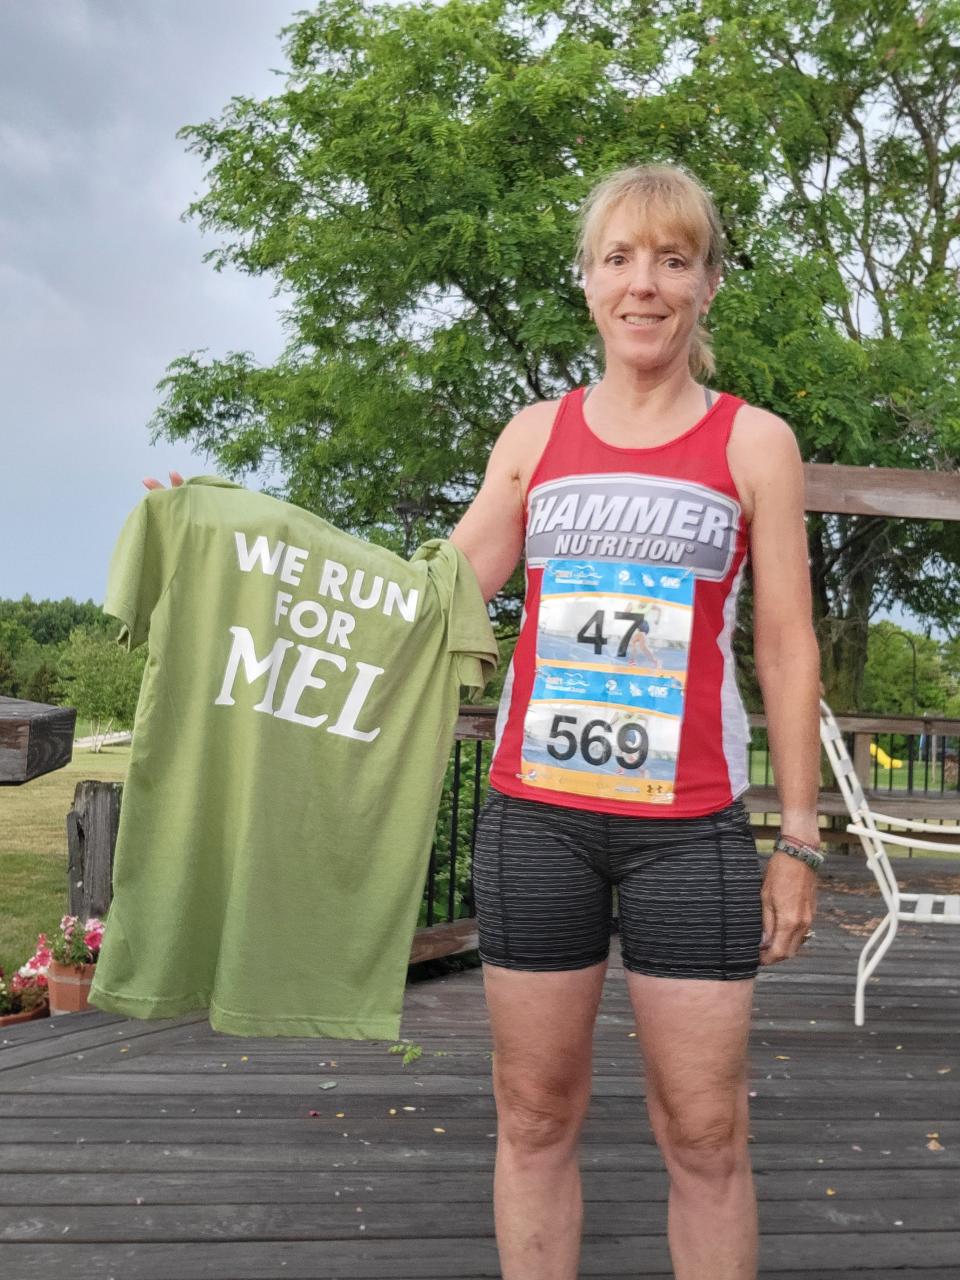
x=843 y=592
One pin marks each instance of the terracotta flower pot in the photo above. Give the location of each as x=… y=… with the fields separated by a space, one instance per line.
x=68 y=986
x=40 y=1011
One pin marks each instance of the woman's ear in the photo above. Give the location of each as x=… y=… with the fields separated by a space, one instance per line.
x=713 y=284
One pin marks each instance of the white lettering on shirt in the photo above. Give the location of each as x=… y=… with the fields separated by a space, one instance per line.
x=243 y=651
x=332 y=577
x=303 y=678
x=346 y=726
x=406 y=605
x=293 y=563
x=261 y=552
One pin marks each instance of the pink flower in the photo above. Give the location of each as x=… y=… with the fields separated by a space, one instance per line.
x=39 y=962
x=66 y=924
x=93 y=938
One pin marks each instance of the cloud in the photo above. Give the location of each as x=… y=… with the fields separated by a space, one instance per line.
x=101 y=283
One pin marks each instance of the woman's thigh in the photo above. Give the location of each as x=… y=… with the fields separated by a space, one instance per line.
x=542 y=1026
x=693 y=1035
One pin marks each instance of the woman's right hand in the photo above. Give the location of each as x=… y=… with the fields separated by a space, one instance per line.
x=175 y=479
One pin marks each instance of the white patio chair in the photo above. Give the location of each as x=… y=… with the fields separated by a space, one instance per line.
x=917 y=908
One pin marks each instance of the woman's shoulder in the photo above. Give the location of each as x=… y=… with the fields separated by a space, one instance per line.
x=760 y=440
x=761 y=425
x=530 y=425
x=762 y=448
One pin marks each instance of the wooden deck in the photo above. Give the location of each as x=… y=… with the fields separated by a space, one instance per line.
x=135 y=1150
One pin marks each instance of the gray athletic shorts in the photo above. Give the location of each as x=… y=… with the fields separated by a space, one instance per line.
x=688 y=889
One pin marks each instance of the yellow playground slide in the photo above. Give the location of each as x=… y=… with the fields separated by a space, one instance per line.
x=886 y=762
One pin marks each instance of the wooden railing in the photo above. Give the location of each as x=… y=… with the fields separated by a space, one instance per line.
x=937 y=800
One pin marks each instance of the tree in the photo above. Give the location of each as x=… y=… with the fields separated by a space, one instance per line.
x=8 y=679
x=46 y=622
x=413 y=191
x=101 y=680
x=43 y=685
x=890 y=686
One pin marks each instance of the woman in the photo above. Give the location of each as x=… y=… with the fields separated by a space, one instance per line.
x=646 y=490
x=640 y=498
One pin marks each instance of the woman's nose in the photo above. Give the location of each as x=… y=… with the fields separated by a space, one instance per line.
x=642 y=278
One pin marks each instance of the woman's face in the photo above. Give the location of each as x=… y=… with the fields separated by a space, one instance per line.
x=647 y=288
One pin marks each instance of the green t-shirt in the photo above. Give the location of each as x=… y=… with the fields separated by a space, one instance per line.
x=293 y=729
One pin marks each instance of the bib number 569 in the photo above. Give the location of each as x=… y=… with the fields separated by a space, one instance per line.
x=594 y=742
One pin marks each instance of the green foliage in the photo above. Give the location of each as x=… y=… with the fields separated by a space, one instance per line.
x=9 y=685
x=46 y=622
x=34 y=634
x=413 y=189
x=101 y=680
x=43 y=685
x=462 y=906
x=411 y=1052
x=908 y=674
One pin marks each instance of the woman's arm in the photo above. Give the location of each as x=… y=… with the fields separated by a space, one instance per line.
x=787 y=662
x=491 y=531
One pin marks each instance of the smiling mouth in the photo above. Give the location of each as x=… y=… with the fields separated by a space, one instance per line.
x=642 y=322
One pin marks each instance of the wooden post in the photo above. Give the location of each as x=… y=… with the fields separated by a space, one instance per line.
x=91 y=839
x=862 y=760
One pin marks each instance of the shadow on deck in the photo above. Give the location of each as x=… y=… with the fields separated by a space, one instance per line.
x=138 y=1150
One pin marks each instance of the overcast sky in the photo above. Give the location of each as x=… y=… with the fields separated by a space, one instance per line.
x=101 y=284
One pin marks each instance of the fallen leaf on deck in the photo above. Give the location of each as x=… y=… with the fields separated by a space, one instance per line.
x=934 y=1145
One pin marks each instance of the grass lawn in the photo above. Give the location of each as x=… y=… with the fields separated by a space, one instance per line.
x=33 y=849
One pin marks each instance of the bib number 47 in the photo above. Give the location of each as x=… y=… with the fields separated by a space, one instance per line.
x=595 y=743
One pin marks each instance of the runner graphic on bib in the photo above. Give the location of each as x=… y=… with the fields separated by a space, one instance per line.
x=621 y=556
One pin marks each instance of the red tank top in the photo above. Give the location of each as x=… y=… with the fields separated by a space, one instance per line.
x=621 y=696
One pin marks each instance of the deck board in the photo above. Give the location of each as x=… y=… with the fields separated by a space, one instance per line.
x=145 y=1150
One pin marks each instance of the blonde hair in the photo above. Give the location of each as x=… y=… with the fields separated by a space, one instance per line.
x=665 y=193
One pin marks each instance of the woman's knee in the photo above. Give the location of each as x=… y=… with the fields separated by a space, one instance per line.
x=537 y=1112
x=707 y=1145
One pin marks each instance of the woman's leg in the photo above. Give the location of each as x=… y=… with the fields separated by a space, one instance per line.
x=543 y=1051
x=693 y=1035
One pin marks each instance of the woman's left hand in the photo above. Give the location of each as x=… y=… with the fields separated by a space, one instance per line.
x=789 y=901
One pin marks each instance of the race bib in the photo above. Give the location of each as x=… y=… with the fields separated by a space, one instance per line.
x=613 y=644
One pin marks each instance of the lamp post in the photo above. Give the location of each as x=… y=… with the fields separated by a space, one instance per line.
x=905 y=635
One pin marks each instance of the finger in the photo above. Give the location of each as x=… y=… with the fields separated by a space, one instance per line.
x=769 y=918
x=787 y=942
x=151 y=483
x=176 y=479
